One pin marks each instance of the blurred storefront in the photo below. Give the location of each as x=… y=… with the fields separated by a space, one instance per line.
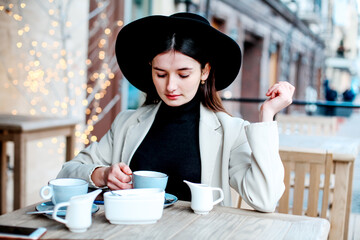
x=276 y=45
x=337 y=23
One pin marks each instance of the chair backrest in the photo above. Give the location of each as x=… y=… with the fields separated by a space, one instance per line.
x=306 y=125
x=306 y=170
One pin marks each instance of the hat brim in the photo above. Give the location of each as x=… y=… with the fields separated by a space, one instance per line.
x=136 y=41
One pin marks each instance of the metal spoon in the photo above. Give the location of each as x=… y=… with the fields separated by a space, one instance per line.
x=46 y=212
x=168 y=200
x=115 y=194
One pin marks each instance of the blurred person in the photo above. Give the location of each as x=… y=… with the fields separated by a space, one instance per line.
x=182 y=129
x=349 y=95
x=330 y=94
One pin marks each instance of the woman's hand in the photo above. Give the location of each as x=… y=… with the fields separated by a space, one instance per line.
x=115 y=177
x=280 y=96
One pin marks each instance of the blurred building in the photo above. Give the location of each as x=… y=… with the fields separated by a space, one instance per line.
x=336 y=22
x=277 y=46
x=342 y=47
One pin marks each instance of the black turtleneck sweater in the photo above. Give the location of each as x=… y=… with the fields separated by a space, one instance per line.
x=172 y=146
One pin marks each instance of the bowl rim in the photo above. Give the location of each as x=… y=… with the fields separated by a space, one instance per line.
x=135 y=193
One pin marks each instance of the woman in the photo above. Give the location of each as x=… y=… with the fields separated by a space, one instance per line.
x=180 y=62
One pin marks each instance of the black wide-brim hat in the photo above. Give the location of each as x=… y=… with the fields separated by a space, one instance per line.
x=136 y=42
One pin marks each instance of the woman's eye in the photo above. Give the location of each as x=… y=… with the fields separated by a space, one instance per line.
x=161 y=75
x=183 y=76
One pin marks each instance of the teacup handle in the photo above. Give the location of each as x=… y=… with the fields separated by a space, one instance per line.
x=221 y=195
x=56 y=208
x=42 y=192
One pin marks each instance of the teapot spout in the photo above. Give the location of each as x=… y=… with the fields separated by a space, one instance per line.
x=192 y=185
x=189 y=183
x=88 y=198
x=94 y=194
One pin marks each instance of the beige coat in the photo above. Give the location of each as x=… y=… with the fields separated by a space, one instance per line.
x=232 y=151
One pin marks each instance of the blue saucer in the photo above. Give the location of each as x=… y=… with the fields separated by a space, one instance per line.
x=169 y=199
x=48 y=206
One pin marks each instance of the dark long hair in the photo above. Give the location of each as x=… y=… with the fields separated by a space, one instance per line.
x=197 y=49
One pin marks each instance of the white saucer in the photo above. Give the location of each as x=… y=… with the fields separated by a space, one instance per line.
x=169 y=200
x=48 y=206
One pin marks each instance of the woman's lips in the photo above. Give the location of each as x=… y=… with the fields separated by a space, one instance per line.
x=172 y=96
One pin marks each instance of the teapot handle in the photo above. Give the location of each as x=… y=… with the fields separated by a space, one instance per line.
x=57 y=206
x=221 y=195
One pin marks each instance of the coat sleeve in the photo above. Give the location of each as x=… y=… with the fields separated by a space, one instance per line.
x=95 y=155
x=255 y=168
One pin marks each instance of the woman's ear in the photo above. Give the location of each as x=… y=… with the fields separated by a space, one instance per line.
x=205 y=72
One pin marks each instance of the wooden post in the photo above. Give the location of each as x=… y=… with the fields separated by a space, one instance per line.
x=3 y=177
x=19 y=171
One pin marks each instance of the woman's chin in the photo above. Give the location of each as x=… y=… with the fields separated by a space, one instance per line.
x=174 y=103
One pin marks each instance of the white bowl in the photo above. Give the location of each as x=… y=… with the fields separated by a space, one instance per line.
x=134 y=206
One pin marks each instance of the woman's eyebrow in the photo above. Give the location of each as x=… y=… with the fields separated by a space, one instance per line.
x=180 y=69
x=185 y=68
x=159 y=69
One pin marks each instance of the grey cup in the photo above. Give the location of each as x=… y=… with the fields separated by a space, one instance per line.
x=149 y=179
x=62 y=189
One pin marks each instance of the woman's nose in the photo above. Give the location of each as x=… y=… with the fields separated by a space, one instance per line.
x=171 y=84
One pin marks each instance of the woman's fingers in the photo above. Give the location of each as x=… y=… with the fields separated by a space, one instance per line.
x=271 y=90
x=125 y=168
x=282 y=89
x=115 y=184
x=119 y=177
x=280 y=96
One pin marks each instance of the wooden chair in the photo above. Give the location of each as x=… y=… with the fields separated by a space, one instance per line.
x=305 y=171
x=306 y=125
x=299 y=163
x=238 y=202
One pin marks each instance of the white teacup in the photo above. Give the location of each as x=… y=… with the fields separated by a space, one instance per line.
x=62 y=189
x=149 y=179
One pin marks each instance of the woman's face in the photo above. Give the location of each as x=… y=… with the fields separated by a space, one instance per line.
x=177 y=77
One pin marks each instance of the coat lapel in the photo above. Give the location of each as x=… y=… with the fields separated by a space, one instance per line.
x=137 y=132
x=210 y=142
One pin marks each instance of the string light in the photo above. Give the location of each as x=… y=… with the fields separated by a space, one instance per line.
x=39 y=81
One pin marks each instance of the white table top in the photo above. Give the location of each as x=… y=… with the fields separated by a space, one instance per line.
x=21 y=123
x=179 y=222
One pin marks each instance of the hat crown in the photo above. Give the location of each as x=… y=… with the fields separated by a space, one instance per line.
x=191 y=16
x=142 y=39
